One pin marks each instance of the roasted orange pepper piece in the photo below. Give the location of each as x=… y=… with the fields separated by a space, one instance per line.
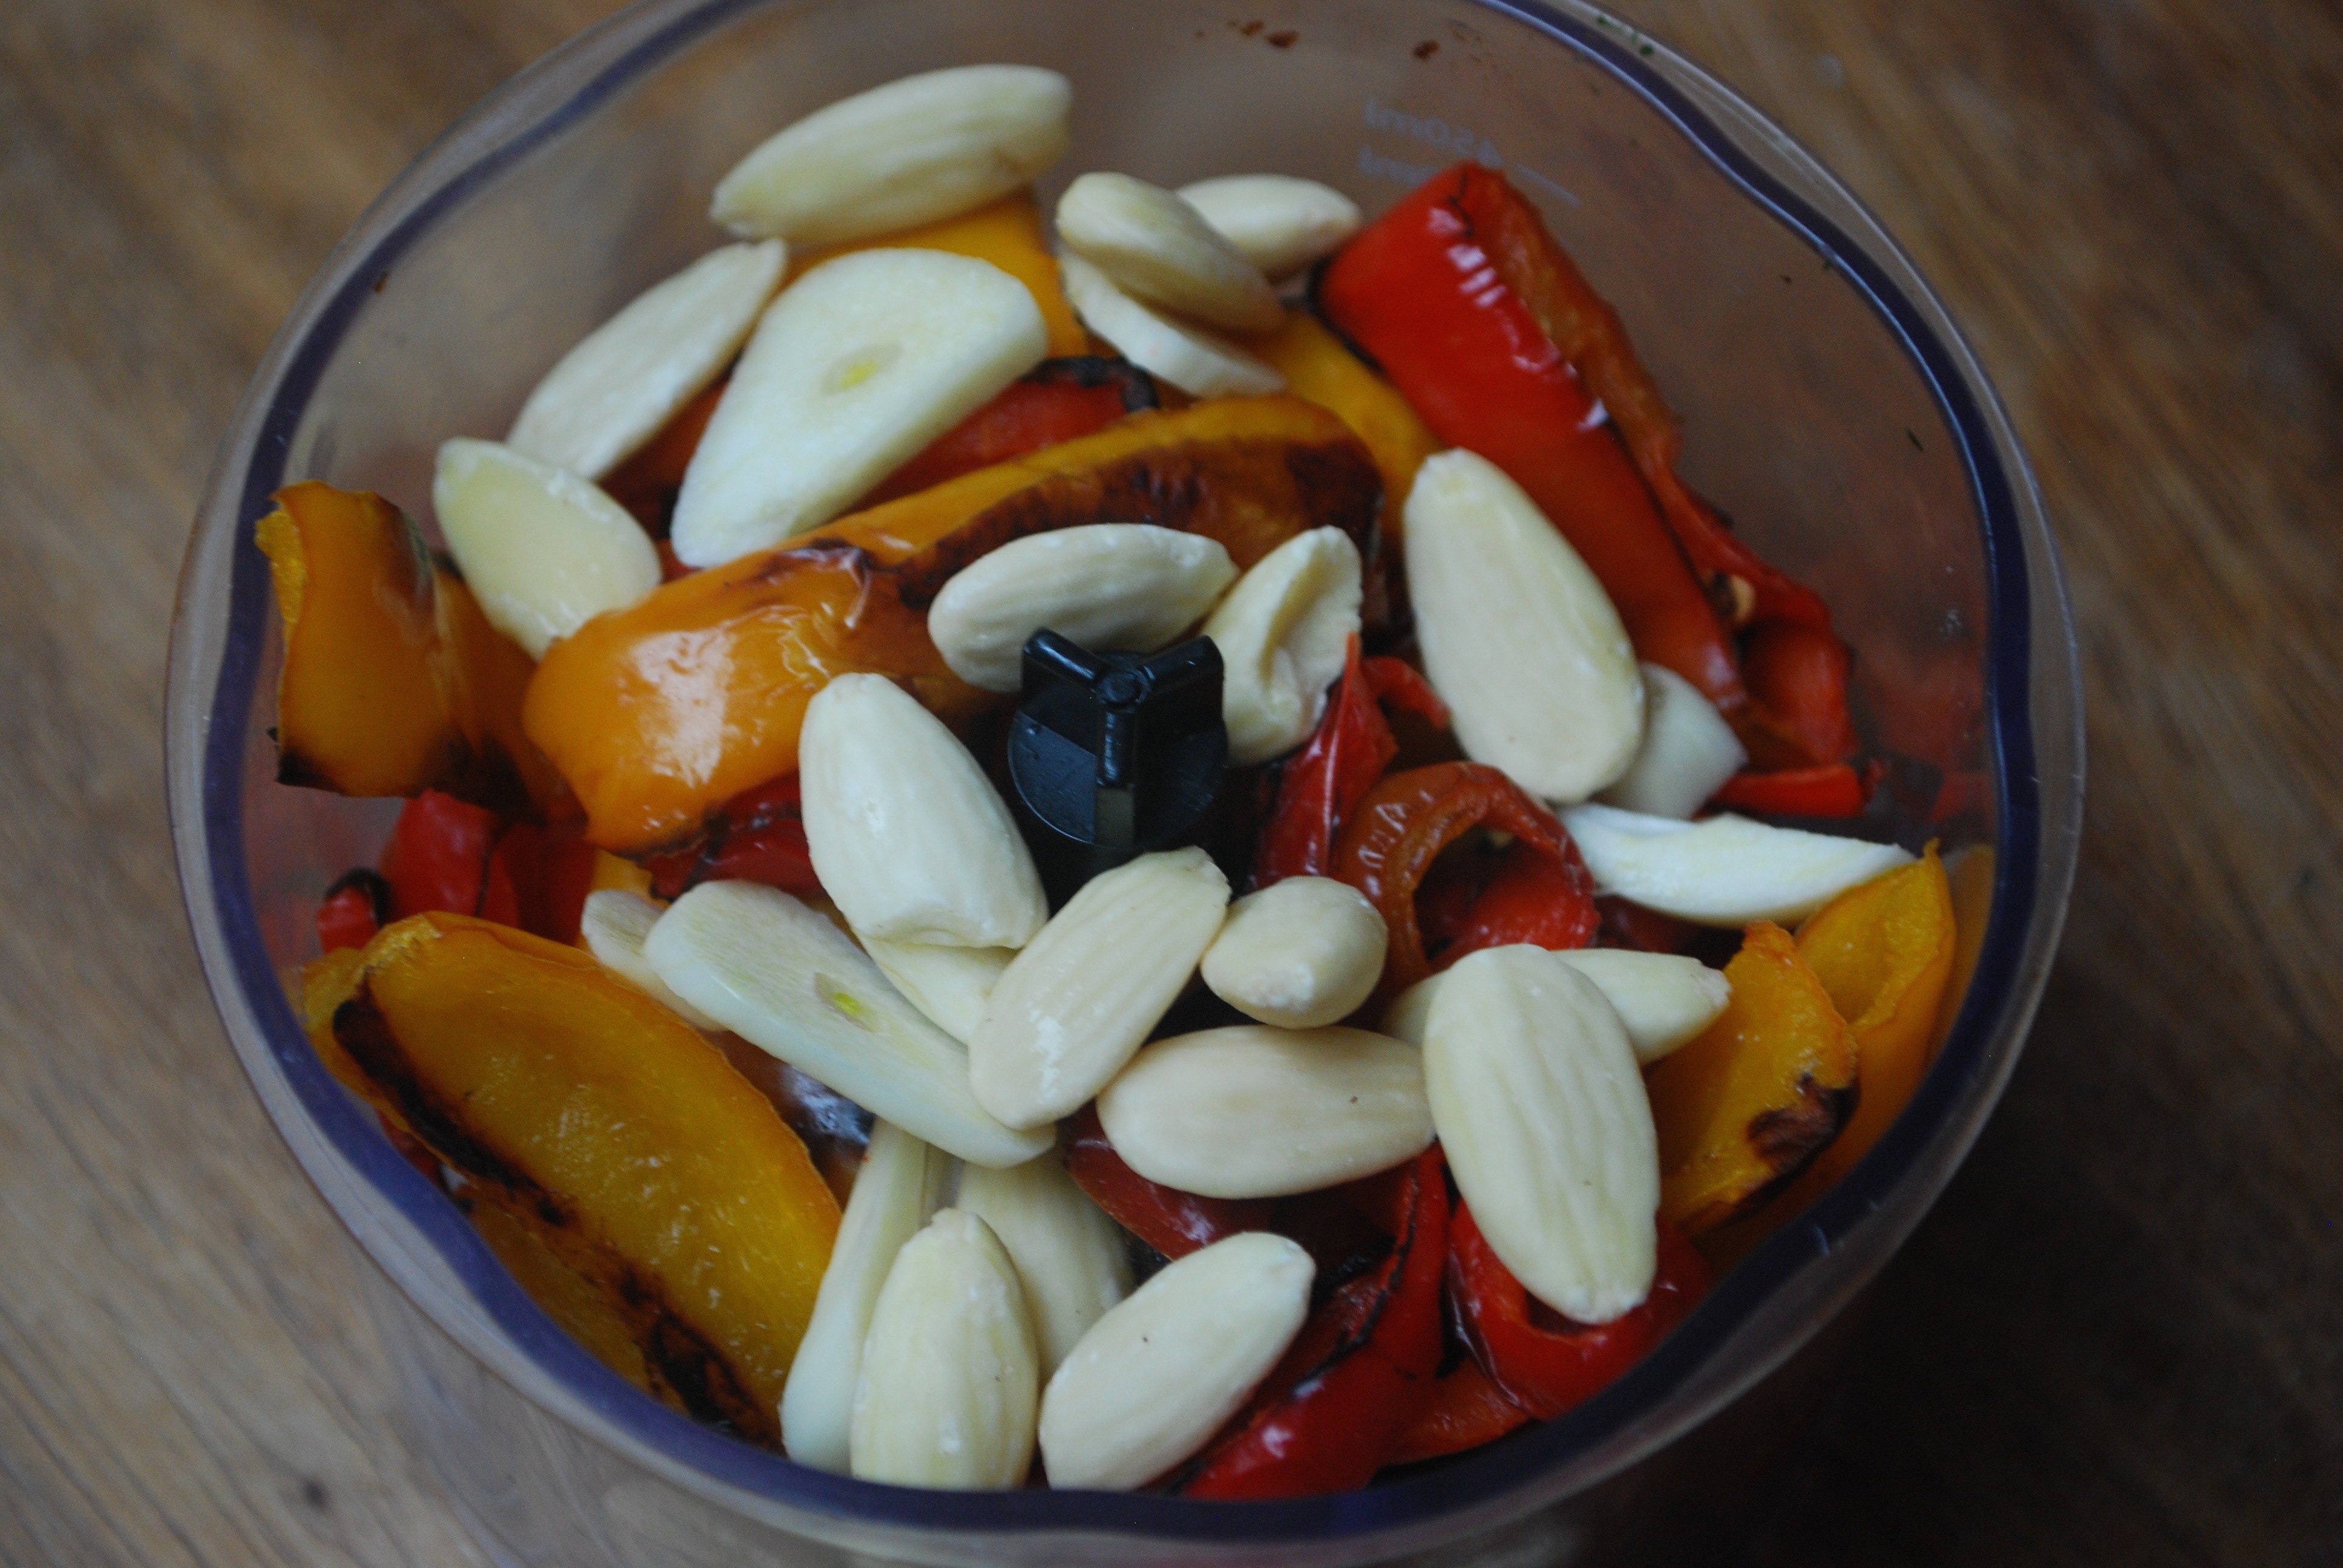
x=1006 y=233
x=1745 y=1107
x=610 y=1129
x=1318 y=369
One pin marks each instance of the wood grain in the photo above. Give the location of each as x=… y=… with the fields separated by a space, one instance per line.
x=2120 y=1336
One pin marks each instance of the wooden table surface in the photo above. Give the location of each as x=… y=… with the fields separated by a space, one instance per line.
x=2119 y=1338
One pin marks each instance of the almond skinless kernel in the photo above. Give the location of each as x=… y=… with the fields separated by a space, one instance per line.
x=1123 y=588
x=1281 y=224
x=1088 y=989
x=1252 y=1111
x=1721 y=870
x=1155 y=1377
x=1542 y=1116
x=1688 y=750
x=1158 y=249
x=949 y=1378
x=1071 y=1257
x=1662 y=999
x=906 y=832
x=1298 y=953
x=1283 y=632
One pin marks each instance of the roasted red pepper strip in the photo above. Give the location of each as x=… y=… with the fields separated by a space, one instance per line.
x=1553 y=1366
x=1060 y=400
x=441 y=856
x=1642 y=930
x=1833 y=790
x=1321 y=783
x=1466 y=1410
x=1798 y=679
x=551 y=871
x=1174 y=1222
x=648 y=483
x=759 y=836
x=1332 y=1412
x=355 y=907
x=1421 y=291
x=1400 y=828
x=1536 y=897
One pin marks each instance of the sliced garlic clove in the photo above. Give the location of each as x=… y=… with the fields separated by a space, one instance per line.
x=1662 y=999
x=1542 y=1113
x=632 y=374
x=1518 y=637
x=1199 y=363
x=949 y=985
x=1124 y=587
x=780 y=976
x=1073 y=1260
x=1688 y=750
x=1298 y=953
x=1159 y=250
x=1723 y=870
x=907 y=834
x=915 y=150
x=1283 y=633
x=1089 y=989
x=1252 y=1111
x=1155 y=1378
x=950 y=1381
x=894 y=1193
x=543 y=550
x=1278 y=223
x=857 y=364
x=615 y=924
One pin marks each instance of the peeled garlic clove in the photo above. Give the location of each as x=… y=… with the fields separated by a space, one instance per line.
x=543 y=550
x=950 y=1381
x=1159 y=250
x=1723 y=870
x=906 y=832
x=857 y=364
x=1071 y=1257
x=629 y=376
x=1688 y=750
x=783 y=977
x=1085 y=992
x=915 y=150
x=1298 y=953
x=1662 y=999
x=1278 y=223
x=894 y=1193
x=1200 y=363
x=1124 y=587
x=1542 y=1113
x=615 y=924
x=1518 y=637
x=1155 y=1378
x=948 y=985
x=1283 y=633
x=1252 y=1111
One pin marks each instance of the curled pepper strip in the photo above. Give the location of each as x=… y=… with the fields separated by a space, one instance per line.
x=1323 y=782
x=757 y=835
x=1174 y=1222
x=1332 y=1412
x=1552 y=1366
x=1466 y=1410
x=1401 y=826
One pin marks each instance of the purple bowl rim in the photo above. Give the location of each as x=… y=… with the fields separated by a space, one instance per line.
x=1483 y=1477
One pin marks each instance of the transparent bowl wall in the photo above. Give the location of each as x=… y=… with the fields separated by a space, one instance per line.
x=1830 y=407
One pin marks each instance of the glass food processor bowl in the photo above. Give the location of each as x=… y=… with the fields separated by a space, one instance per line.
x=1828 y=403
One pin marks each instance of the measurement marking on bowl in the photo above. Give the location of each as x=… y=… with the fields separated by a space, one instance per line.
x=1459 y=141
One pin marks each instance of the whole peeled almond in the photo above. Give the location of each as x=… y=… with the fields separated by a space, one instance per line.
x=1298 y=953
x=1073 y=1260
x=1283 y=633
x=1662 y=999
x=1252 y=1111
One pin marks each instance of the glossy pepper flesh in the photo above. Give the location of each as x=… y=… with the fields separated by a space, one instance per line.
x=1174 y=1222
x=1323 y=782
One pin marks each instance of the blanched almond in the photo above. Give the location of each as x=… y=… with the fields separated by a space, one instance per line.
x=947 y=984
x=912 y=151
x=1298 y=953
x=894 y=1193
x=1518 y=636
x=949 y=1379
x=1158 y=249
x=1085 y=992
x=1688 y=750
x=1155 y=1378
x=1252 y=1111
x=1723 y=870
x=1125 y=588
x=1280 y=224
x=543 y=550
x=1283 y=633
x=1662 y=999
x=907 y=834
x=615 y=924
x=1071 y=1257
x=856 y=366
x=1200 y=363
x=630 y=375
x=1542 y=1114
x=782 y=976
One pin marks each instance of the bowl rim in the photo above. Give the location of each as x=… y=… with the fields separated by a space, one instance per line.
x=216 y=661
